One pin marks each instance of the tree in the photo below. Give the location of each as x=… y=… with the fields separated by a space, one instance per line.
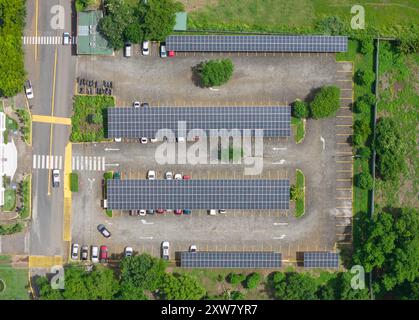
x=409 y=40
x=160 y=18
x=368 y=98
x=296 y=286
x=236 y=295
x=364 y=181
x=252 y=280
x=367 y=45
x=215 y=72
x=300 y=109
x=390 y=149
x=331 y=25
x=346 y=292
x=325 y=103
x=326 y=292
x=181 y=287
x=357 y=140
x=364 y=77
x=235 y=278
x=364 y=152
x=362 y=127
x=362 y=107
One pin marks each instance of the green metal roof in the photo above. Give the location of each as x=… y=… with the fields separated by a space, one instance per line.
x=181 y=18
x=89 y=40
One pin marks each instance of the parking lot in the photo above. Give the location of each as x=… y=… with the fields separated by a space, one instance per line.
x=324 y=156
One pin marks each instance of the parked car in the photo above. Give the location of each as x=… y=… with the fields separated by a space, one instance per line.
x=128 y=48
x=144 y=105
x=151 y=175
x=150 y=211
x=212 y=212
x=136 y=104
x=168 y=175
x=117 y=175
x=134 y=212
x=143 y=212
x=145 y=48
x=95 y=254
x=55 y=178
x=180 y=139
x=171 y=53
x=187 y=211
x=75 y=251
x=163 y=53
x=102 y=229
x=178 y=176
x=161 y=211
x=128 y=252
x=165 y=247
x=153 y=140
x=66 y=38
x=28 y=89
x=177 y=211
x=192 y=248
x=84 y=253
x=117 y=139
x=143 y=140
x=103 y=254
x=222 y=211
x=186 y=177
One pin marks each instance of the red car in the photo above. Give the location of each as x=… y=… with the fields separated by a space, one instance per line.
x=160 y=211
x=186 y=177
x=103 y=254
x=178 y=211
x=171 y=53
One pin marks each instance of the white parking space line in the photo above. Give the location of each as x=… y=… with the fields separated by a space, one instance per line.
x=94 y=163
x=90 y=163
x=103 y=163
x=43 y=162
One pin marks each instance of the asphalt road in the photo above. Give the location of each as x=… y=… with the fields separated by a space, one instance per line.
x=52 y=97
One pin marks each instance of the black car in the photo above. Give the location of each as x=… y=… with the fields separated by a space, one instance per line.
x=102 y=229
x=84 y=254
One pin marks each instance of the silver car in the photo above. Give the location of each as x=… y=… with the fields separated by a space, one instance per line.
x=165 y=247
x=75 y=251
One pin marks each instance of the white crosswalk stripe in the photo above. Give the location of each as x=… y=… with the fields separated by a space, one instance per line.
x=88 y=163
x=47 y=40
x=47 y=162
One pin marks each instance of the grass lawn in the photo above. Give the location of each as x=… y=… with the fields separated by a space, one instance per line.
x=300 y=201
x=9 y=199
x=74 y=182
x=298 y=127
x=89 y=118
x=15 y=280
x=298 y=15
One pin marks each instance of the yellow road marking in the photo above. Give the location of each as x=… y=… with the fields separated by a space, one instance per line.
x=52 y=120
x=52 y=114
x=67 y=193
x=44 y=261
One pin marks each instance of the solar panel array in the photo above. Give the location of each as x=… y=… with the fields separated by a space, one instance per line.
x=147 y=121
x=321 y=260
x=197 y=194
x=252 y=260
x=256 y=43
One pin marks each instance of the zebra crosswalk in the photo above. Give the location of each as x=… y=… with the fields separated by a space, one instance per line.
x=47 y=162
x=88 y=163
x=31 y=40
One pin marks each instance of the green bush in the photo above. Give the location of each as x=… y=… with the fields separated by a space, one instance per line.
x=367 y=46
x=10 y=229
x=215 y=72
x=300 y=109
x=362 y=128
x=368 y=98
x=364 y=77
x=362 y=107
x=325 y=103
x=364 y=152
x=108 y=175
x=74 y=182
x=236 y=295
x=252 y=280
x=81 y=5
x=357 y=140
x=25 y=198
x=331 y=25
x=364 y=181
x=235 y=278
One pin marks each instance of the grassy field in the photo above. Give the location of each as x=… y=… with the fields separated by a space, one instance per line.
x=298 y=127
x=300 y=202
x=15 y=280
x=9 y=199
x=283 y=15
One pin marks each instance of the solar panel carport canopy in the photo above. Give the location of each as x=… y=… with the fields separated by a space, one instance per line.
x=256 y=43
x=147 y=121
x=197 y=194
x=321 y=259
x=230 y=259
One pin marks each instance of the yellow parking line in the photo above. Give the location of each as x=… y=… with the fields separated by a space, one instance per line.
x=67 y=194
x=343 y=161
x=344 y=180
x=343 y=170
x=343 y=198
x=51 y=119
x=343 y=116
x=344 y=189
x=44 y=261
x=344 y=125
x=344 y=207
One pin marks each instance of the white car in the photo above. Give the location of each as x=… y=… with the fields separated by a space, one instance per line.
x=222 y=211
x=178 y=176
x=163 y=52
x=66 y=38
x=75 y=251
x=192 y=248
x=146 y=50
x=55 y=178
x=165 y=247
x=151 y=175
x=168 y=175
x=118 y=139
x=143 y=140
x=212 y=212
x=128 y=47
x=28 y=89
x=95 y=254
x=143 y=212
x=180 y=139
x=128 y=252
x=153 y=140
x=136 y=104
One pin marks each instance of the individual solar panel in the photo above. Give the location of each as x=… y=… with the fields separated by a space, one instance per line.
x=256 y=43
x=230 y=259
x=198 y=194
x=147 y=121
x=321 y=259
